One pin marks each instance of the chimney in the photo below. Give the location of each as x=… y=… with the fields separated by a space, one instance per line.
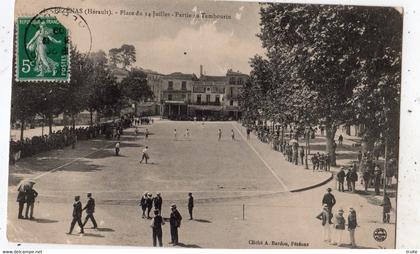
x=201 y=70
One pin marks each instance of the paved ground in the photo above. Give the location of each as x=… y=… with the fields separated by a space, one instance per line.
x=225 y=176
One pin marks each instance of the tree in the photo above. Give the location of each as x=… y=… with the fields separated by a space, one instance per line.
x=124 y=56
x=134 y=86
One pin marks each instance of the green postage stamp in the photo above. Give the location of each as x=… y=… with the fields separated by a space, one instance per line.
x=42 y=50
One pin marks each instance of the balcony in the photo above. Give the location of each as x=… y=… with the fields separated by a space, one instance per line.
x=211 y=103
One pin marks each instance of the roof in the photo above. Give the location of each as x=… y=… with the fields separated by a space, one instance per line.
x=213 y=78
x=180 y=75
x=235 y=73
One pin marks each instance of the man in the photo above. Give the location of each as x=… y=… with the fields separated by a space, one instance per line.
x=157 y=201
x=143 y=204
x=340 y=178
x=145 y=155
x=329 y=199
x=174 y=134
x=146 y=134
x=359 y=156
x=219 y=133
x=117 y=148
x=314 y=162
x=349 y=180
x=386 y=209
x=366 y=178
x=248 y=133
x=21 y=199
x=378 y=176
x=156 y=225
x=187 y=133
x=31 y=195
x=149 y=204
x=354 y=177
x=233 y=134
x=90 y=209
x=77 y=215
x=340 y=139
x=301 y=154
x=352 y=224
x=328 y=162
x=325 y=217
x=190 y=205
x=175 y=222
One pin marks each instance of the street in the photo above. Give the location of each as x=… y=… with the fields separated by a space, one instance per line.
x=243 y=189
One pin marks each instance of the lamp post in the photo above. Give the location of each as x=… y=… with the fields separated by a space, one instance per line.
x=307 y=130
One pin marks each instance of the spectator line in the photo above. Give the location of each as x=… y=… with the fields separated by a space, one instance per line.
x=70 y=162
x=261 y=158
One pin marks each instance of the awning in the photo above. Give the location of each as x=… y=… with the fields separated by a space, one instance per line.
x=206 y=107
x=175 y=102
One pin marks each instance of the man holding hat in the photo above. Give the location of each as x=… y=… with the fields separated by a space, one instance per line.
x=90 y=209
x=175 y=222
x=77 y=215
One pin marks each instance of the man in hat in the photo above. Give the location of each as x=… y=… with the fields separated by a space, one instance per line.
x=386 y=208
x=325 y=217
x=77 y=215
x=145 y=155
x=157 y=201
x=143 y=204
x=31 y=195
x=117 y=148
x=339 y=227
x=329 y=199
x=21 y=199
x=90 y=209
x=156 y=225
x=149 y=204
x=175 y=222
x=352 y=224
x=340 y=178
x=190 y=205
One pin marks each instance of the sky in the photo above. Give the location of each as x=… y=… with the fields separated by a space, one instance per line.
x=165 y=44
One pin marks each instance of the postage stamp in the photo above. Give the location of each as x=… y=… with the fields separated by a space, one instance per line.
x=42 y=50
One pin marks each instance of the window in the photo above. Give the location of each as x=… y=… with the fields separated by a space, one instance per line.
x=231 y=92
x=232 y=80
x=217 y=99
x=184 y=85
x=208 y=98
x=170 y=85
x=169 y=97
x=208 y=89
x=198 y=98
x=231 y=102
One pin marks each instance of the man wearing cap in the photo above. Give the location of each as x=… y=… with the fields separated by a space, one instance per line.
x=352 y=224
x=143 y=204
x=156 y=225
x=339 y=227
x=329 y=199
x=190 y=205
x=90 y=209
x=77 y=215
x=157 y=201
x=175 y=222
x=340 y=178
x=325 y=217
x=31 y=195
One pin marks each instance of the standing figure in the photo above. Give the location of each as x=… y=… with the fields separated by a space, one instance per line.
x=187 y=133
x=386 y=209
x=90 y=209
x=77 y=215
x=143 y=204
x=219 y=133
x=301 y=154
x=175 y=222
x=175 y=134
x=190 y=205
x=117 y=148
x=352 y=224
x=329 y=200
x=145 y=155
x=325 y=217
x=348 y=180
x=149 y=204
x=156 y=225
x=31 y=195
x=339 y=227
x=21 y=199
x=378 y=176
x=340 y=139
x=157 y=201
x=233 y=134
x=146 y=134
x=340 y=178
x=248 y=133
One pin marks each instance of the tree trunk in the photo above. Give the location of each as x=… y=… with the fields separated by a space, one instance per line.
x=73 y=122
x=329 y=135
x=22 y=128
x=50 y=123
x=91 y=117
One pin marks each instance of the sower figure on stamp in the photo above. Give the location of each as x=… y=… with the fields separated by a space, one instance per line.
x=156 y=225
x=77 y=215
x=90 y=209
x=175 y=223
x=190 y=205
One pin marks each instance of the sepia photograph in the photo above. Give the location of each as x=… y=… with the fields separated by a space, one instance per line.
x=205 y=124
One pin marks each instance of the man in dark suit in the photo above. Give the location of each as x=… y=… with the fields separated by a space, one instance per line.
x=149 y=202
x=190 y=205
x=157 y=201
x=329 y=199
x=175 y=223
x=90 y=209
x=21 y=199
x=31 y=195
x=77 y=215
